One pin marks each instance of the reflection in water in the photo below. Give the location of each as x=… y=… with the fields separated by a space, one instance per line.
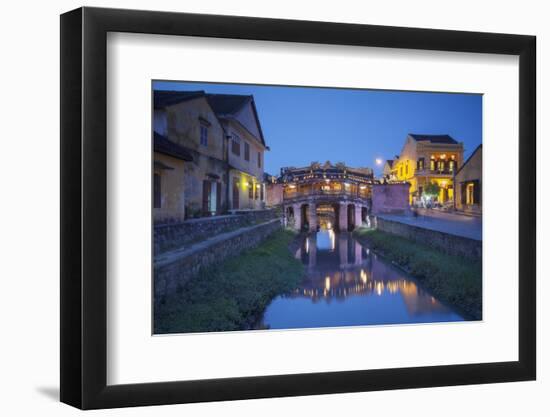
x=347 y=285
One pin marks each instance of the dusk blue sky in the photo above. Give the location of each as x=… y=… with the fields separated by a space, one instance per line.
x=304 y=124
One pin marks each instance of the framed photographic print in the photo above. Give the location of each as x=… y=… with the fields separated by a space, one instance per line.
x=245 y=199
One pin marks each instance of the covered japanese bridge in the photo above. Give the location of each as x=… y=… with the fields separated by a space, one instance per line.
x=326 y=195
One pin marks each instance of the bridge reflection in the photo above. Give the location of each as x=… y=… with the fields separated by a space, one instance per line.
x=339 y=267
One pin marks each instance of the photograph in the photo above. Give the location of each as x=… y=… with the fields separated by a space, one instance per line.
x=296 y=207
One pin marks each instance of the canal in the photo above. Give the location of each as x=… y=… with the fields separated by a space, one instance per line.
x=346 y=284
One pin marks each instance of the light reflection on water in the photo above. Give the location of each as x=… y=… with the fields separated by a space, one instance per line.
x=347 y=285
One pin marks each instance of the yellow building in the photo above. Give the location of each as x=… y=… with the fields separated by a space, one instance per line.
x=428 y=159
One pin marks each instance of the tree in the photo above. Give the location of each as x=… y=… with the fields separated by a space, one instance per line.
x=431 y=190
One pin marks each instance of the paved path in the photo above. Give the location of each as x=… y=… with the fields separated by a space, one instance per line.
x=455 y=224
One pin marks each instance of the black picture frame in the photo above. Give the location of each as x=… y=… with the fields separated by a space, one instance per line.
x=84 y=207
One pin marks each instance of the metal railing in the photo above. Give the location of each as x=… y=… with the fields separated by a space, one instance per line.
x=325 y=193
x=427 y=171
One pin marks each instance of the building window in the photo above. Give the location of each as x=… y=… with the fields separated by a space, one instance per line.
x=407 y=168
x=259 y=160
x=470 y=194
x=236 y=193
x=420 y=164
x=236 y=145
x=262 y=192
x=246 y=151
x=441 y=166
x=452 y=166
x=204 y=135
x=432 y=164
x=258 y=187
x=211 y=193
x=251 y=191
x=156 y=191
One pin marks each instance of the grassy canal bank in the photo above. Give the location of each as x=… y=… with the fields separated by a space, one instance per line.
x=452 y=279
x=231 y=295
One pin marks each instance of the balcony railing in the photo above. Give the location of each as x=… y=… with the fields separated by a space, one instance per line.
x=427 y=171
x=288 y=195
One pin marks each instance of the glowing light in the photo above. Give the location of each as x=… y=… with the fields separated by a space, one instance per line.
x=332 y=238
x=363 y=275
x=363 y=187
x=378 y=161
x=307 y=245
x=327 y=283
x=443 y=156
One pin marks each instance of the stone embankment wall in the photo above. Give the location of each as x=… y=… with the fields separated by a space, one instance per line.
x=173 y=269
x=184 y=234
x=445 y=242
x=390 y=198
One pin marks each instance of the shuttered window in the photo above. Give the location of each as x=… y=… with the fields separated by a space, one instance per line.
x=246 y=151
x=206 y=197
x=204 y=135
x=477 y=192
x=236 y=145
x=470 y=192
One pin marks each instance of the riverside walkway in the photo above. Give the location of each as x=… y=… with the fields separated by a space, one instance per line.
x=452 y=223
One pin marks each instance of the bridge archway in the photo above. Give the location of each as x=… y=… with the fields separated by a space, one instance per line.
x=314 y=214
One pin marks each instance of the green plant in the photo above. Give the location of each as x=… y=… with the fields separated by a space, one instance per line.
x=452 y=279
x=432 y=189
x=233 y=294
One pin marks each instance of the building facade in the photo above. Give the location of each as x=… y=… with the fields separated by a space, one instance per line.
x=273 y=191
x=468 y=184
x=169 y=160
x=209 y=127
x=245 y=153
x=428 y=163
x=389 y=173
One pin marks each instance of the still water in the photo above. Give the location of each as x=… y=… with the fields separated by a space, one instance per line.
x=348 y=285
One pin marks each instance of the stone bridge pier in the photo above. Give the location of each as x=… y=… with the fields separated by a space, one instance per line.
x=350 y=216
x=312 y=216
